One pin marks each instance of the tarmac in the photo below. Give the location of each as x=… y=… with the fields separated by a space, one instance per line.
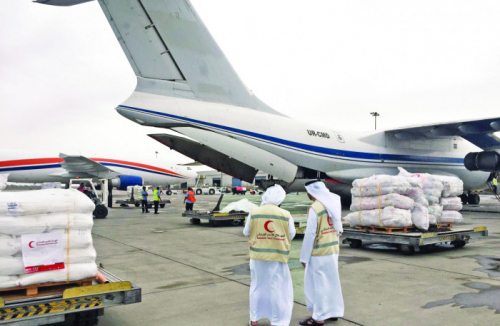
x=199 y=275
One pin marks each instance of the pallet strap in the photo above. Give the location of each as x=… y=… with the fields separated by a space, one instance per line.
x=67 y=250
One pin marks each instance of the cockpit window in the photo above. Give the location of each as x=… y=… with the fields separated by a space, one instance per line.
x=189 y=169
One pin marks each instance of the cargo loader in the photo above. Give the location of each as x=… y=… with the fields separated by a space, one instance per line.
x=77 y=303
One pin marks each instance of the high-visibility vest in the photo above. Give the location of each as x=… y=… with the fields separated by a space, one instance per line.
x=326 y=241
x=190 y=196
x=144 y=195
x=156 y=195
x=269 y=238
x=495 y=182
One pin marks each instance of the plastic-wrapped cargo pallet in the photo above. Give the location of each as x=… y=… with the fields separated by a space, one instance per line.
x=381 y=201
x=65 y=211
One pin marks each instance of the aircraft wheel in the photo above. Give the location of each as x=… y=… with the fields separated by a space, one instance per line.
x=474 y=199
x=235 y=222
x=346 y=202
x=137 y=204
x=198 y=191
x=100 y=211
x=464 y=198
x=162 y=205
x=211 y=191
x=169 y=192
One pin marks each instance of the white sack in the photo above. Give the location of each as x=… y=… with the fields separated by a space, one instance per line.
x=9 y=282
x=420 y=217
x=389 y=217
x=40 y=223
x=432 y=199
x=241 y=205
x=415 y=193
x=435 y=212
x=76 y=272
x=14 y=265
x=369 y=187
x=452 y=186
x=46 y=201
x=78 y=238
x=421 y=201
x=9 y=245
x=450 y=217
x=367 y=203
x=25 y=225
x=11 y=266
x=451 y=203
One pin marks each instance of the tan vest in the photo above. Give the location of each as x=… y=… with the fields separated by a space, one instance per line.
x=326 y=241
x=269 y=238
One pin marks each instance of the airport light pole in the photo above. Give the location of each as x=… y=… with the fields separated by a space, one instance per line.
x=375 y=114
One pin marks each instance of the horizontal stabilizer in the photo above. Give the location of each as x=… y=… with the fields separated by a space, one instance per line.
x=208 y=156
x=479 y=132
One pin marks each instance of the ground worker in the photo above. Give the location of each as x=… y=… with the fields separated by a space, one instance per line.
x=189 y=199
x=144 y=194
x=495 y=183
x=270 y=230
x=320 y=255
x=156 y=199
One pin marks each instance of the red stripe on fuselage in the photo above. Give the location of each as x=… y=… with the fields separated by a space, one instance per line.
x=31 y=161
x=139 y=165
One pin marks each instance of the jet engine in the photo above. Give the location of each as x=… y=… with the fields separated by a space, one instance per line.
x=483 y=161
x=123 y=181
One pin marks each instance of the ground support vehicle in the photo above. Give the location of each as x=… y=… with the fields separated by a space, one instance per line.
x=206 y=191
x=239 y=190
x=100 y=211
x=214 y=217
x=138 y=203
x=77 y=305
x=413 y=241
x=300 y=222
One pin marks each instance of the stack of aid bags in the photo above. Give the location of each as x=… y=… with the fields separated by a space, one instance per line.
x=64 y=211
x=382 y=201
x=450 y=202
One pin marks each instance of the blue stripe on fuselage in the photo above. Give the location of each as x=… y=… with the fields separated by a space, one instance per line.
x=315 y=149
x=23 y=168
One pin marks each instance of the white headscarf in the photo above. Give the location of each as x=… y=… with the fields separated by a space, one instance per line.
x=331 y=202
x=273 y=195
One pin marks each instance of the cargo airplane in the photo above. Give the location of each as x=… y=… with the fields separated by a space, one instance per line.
x=186 y=84
x=32 y=167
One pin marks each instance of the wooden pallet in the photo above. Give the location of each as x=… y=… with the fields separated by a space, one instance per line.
x=387 y=229
x=444 y=225
x=41 y=289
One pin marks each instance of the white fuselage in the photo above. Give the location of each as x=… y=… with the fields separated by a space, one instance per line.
x=317 y=147
x=38 y=167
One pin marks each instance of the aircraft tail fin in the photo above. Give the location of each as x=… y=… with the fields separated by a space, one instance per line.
x=173 y=53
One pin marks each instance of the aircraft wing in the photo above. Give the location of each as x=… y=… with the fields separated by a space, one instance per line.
x=479 y=132
x=80 y=166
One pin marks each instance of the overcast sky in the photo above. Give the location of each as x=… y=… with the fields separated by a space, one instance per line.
x=62 y=72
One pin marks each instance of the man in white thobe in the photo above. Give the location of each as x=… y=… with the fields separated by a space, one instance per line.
x=320 y=255
x=270 y=230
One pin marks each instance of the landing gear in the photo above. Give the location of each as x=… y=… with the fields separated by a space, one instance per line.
x=169 y=192
x=464 y=199
x=473 y=199
x=346 y=202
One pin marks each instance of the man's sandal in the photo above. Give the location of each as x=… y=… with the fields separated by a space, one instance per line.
x=310 y=322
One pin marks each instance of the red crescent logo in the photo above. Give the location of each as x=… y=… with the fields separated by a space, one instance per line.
x=29 y=244
x=266 y=226
x=330 y=222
